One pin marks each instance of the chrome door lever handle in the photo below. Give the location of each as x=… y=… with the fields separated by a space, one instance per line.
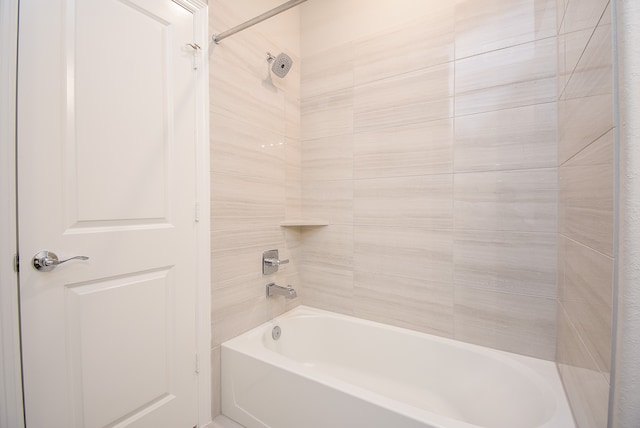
x=45 y=261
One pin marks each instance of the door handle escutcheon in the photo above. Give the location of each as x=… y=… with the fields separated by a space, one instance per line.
x=45 y=261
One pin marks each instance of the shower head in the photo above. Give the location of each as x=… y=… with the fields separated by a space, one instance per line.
x=280 y=65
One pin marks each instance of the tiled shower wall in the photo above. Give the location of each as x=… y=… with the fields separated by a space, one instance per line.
x=585 y=245
x=429 y=145
x=255 y=163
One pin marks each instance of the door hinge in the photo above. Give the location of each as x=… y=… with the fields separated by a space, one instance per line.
x=197 y=213
x=197 y=365
x=16 y=263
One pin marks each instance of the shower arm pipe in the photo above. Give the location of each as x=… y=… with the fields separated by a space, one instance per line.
x=217 y=38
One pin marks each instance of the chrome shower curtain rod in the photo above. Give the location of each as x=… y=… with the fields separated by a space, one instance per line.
x=217 y=38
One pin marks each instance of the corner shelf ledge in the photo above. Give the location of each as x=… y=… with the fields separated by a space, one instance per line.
x=304 y=223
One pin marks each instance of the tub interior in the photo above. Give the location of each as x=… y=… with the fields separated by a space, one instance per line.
x=435 y=376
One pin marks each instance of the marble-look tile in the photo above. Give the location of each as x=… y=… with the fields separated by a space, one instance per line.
x=293 y=179
x=330 y=246
x=327 y=287
x=416 y=304
x=330 y=200
x=415 y=201
x=518 y=200
x=423 y=148
x=327 y=71
x=237 y=253
x=510 y=262
x=581 y=14
x=240 y=306
x=586 y=295
x=242 y=148
x=585 y=211
x=512 y=77
x=404 y=251
x=404 y=114
x=292 y=112
x=582 y=121
x=426 y=42
x=510 y=322
x=517 y=138
x=216 y=381
x=570 y=49
x=506 y=96
x=561 y=7
x=483 y=26
x=593 y=75
x=587 y=390
x=238 y=201
x=329 y=158
x=413 y=97
x=241 y=95
x=328 y=114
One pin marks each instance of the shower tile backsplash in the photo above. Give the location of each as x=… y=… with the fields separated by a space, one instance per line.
x=255 y=168
x=441 y=171
x=585 y=208
x=460 y=152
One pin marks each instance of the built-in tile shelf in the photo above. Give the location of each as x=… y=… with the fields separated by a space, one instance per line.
x=304 y=223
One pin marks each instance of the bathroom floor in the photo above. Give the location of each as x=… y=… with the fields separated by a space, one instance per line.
x=224 y=422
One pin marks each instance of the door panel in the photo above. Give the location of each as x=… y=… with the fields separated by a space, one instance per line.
x=106 y=169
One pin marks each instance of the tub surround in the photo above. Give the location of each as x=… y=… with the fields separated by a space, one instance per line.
x=255 y=168
x=429 y=145
x=585 y=209
x=451 y=148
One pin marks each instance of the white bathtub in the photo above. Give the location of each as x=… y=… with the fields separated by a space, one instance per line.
x=333 y=371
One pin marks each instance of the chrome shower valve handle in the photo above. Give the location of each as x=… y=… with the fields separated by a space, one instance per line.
x=46 y=261
x=271 y=262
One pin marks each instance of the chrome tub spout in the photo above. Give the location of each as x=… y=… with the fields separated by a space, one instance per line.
x=277 y=290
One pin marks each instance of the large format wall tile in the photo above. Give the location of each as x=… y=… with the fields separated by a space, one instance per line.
x=512 y=322
x=582 y=121
x=586 y=388
x=518 y=138
x=329 y=200
x=417 y=45
x=404 y=251
x=327 y=115
x=239 y=201
x=593 y=75
x=329 y=158
x=511 y=262
x=417 y=304
x=570 y=49
x=519 y=200
x=512 y=77
x=242 y=148
x=586 y=196
x=419 y=201
x=423 y=148
x=328 y=71
x=581 y=14
x=586 y=292
x=483 y=26
x=404 y=99
x=398 y=173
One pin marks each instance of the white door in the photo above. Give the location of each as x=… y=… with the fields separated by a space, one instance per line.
x=106 y=169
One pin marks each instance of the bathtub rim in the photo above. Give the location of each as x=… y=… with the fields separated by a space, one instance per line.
x=542 y=373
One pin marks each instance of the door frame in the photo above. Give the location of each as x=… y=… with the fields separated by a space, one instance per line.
x=11 y=405
x=11 y=401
